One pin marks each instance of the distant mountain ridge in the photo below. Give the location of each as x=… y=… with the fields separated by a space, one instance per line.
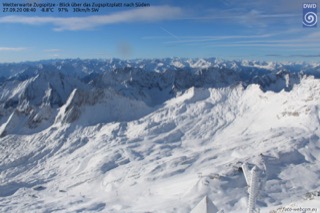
x=84 y=67
x=28 y=88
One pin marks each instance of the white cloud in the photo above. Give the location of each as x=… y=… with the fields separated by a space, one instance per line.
x=12 y=49
x=271 y=6
x=55 y=55
x=251 y=18
x=303 y=45
x=290 y=38
x=52 y=50
x=171 y=34
x=313 y=37
x=197 y=39
x=150 y=14
x=259 y=14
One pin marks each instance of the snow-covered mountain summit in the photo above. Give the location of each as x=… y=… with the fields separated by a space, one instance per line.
x=157 y=135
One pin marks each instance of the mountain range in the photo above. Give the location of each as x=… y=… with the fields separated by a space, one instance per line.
x=157 y=135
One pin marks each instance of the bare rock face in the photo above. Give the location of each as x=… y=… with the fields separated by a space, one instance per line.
x=71 y=111
x=78 y=99
x=12 y=123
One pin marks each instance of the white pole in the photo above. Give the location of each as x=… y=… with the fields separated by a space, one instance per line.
x=253 y=190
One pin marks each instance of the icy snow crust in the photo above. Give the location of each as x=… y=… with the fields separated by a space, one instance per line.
x=138 y=139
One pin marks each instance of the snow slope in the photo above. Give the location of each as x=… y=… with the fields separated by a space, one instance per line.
x=112 y=147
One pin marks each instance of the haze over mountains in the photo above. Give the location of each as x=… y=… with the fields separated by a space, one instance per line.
x=157 y=135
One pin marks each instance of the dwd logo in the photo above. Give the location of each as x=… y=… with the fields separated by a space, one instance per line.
x=309 y=15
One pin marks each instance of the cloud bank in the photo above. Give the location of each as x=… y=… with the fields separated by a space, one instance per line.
x=150 y=14
x=12 y=49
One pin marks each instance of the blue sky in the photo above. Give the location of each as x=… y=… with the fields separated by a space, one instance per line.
x=229 y=29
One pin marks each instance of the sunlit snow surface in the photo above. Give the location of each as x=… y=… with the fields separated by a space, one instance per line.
x=123 y=155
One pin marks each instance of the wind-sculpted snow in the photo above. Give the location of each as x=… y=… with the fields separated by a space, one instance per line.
x=135 y=139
